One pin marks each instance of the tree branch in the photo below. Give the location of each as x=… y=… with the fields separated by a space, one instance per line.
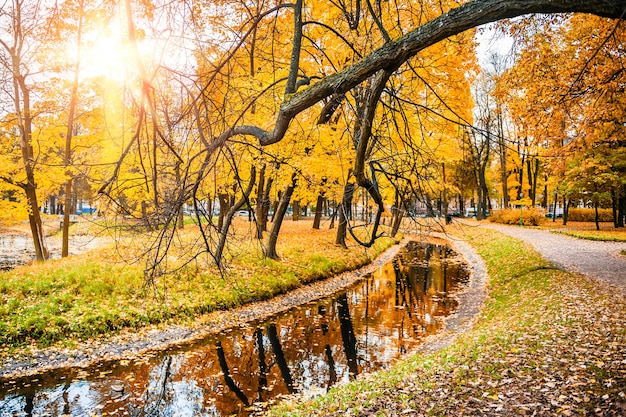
x=393 y=54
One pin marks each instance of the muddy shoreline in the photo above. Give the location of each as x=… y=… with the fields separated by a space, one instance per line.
x=134 y=344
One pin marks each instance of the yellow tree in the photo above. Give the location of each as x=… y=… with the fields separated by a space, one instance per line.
x=22 y=24
x=566 y=99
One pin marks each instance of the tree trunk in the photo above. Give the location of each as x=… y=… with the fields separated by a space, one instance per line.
x=596 y=204
x=180 y=219
x=520 y=188
x=279 y=215
x=296 y=211
x=621 y=207
x=228 y=218
x=344 y=213
x=333 y=216
x=504 y=176
x=614 y=203
x=318 y=212
x=397 y=213
x=260 y=193
x=266 y=203
x=224 y=205
x=429 y=206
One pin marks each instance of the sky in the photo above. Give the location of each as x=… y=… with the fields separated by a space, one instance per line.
x=489 y=41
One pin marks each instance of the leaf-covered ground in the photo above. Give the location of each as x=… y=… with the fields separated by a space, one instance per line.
x=548 y=342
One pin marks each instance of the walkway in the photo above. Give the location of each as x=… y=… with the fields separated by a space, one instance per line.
x=591 y=258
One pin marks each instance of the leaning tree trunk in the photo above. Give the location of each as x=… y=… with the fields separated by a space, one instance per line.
x=397 y=213
x=228 y=218
x=279 y=215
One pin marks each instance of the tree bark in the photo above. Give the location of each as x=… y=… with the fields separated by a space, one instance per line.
x=260 y=224
x=266 y=203
x=296 y=211
x=344 y=213
x=228 y=218
x=333 y=217
x=318 y=212
x=224 y=205
x=397 y=213
x=279 y=215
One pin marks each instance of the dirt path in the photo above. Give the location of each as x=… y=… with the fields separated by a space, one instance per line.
x=599 y=260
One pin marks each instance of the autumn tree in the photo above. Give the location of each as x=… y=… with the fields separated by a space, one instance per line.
x=21 y=23
x=568 y=76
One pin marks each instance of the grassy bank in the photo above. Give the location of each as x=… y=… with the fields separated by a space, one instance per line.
x=547 y=343
x=64 y=301
x=600 y=235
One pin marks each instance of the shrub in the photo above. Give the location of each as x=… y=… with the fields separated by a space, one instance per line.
x=530 y=217
x=589 y=215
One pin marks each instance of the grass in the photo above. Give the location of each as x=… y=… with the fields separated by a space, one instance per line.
x=539 y=325
x=77 y=298
x=599 y=235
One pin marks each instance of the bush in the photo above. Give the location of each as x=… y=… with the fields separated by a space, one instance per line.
x=530 y=217
x=589 y=215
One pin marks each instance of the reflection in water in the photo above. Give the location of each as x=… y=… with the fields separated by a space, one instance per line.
x=15 y=250
x=347 y=334
x=307 y=349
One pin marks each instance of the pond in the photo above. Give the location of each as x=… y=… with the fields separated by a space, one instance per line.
x=15 y=250
x=305 y=350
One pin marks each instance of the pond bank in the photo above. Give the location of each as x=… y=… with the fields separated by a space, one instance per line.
x=129 y=345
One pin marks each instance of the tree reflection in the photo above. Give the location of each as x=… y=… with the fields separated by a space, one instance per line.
x=347 y=334
x=29 y=406
x=155 y=403
x=228 y=379
x=332 y=380
x=258 y=334
x=280 y=358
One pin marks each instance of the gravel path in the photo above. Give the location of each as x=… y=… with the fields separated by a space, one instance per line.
x=601 y=260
